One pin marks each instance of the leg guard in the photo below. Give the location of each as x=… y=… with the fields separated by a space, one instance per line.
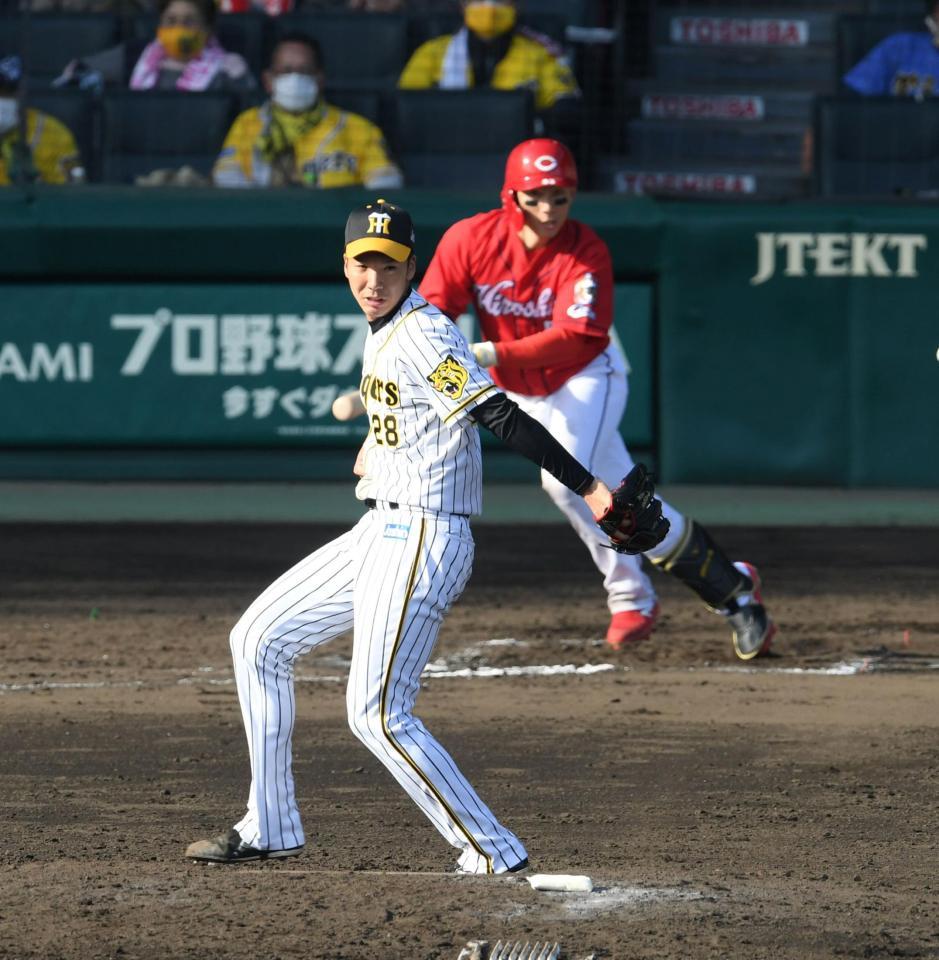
x=701 y=564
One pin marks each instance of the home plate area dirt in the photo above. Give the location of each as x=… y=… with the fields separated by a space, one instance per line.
x=785 y=808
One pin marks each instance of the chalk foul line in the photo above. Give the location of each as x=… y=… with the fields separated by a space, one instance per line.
x=466 y=665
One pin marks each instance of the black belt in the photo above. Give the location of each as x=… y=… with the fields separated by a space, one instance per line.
x=372 y=504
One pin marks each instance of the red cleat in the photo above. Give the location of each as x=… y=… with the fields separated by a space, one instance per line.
x=630 y=626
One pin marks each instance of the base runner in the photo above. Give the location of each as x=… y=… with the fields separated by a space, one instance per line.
x=394 y=575
x=542 y=287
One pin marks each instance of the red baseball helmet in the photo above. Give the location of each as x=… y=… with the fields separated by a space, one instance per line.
x=540 y=163
x=533 y=164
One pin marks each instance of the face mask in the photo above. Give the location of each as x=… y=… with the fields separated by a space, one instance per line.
x=295 y=92
x=9 y=114
x=181 y=43
x=488 y=20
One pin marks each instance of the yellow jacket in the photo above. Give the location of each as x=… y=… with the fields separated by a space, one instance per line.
x=332 y=148
x=52 y=148
x=444 y=62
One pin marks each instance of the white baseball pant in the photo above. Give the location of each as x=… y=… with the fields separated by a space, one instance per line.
x=584 y=416
x=391 y=579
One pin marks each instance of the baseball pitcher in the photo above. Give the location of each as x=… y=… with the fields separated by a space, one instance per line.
x=394 y=575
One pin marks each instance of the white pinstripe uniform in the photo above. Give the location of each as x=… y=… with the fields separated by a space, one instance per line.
x=391 y=579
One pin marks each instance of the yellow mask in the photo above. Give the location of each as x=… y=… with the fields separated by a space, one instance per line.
x=181 y=43
x=488 y=20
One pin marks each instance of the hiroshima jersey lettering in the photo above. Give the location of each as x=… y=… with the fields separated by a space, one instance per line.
x=518 y=293
x=420 y=384
x=496 y=300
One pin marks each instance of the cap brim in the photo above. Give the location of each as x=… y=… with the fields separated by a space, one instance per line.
x=397 y=251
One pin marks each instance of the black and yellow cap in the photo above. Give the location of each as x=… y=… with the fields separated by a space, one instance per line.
x=380 y=227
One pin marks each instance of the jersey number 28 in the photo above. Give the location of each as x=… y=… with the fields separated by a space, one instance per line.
x=386 y=431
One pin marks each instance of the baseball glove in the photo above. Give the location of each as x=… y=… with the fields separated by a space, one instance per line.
x=634 y=521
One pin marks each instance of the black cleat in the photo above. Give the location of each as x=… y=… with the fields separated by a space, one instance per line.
x=752 y=628
x=230 y=848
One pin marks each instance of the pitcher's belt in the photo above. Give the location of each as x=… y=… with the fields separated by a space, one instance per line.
x=372 y=504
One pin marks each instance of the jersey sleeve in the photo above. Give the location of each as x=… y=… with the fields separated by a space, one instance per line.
x=56 y=154
x=423 y=69
x=873 y=74
x=233 y=168
x=375 y=166
x=442 y=368
x=448 y=283
x=554 y=347
x=556 y=80
x=584 y=301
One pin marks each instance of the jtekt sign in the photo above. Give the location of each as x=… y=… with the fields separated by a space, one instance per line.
x=837 y=255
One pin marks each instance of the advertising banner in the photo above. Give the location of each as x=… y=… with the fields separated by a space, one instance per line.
x=739 y=31
x=208 y=364
x=147 y=364
x=800 y=347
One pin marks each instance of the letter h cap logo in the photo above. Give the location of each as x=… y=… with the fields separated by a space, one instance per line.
x=380 y=228
x=378 y=223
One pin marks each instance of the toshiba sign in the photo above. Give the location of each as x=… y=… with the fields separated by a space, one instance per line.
x=739 y=31
x=682 y=106
x=655 y=181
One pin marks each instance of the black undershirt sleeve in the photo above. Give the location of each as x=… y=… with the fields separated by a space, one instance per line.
x=527 y=436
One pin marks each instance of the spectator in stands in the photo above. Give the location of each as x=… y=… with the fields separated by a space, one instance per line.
x=490 y=50
x=186 y=54
x=296 y=138
x=903 y=65
x=47 y=153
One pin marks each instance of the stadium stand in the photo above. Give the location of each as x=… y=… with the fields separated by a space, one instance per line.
x=374 y=105
x=436 y=152
x=358 y=50
x=877 y=146
x=48 y=41
x=159 y=129
x=732 y=86
x=363 y=56
x=81 y=113
x=896 y=7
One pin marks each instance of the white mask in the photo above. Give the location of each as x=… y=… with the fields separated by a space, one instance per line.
x=295 y=92
x=9 y=114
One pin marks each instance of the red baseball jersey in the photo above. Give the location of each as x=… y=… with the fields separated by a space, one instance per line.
x=519 y=292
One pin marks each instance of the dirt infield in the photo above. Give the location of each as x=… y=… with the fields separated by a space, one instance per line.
x=787 y=810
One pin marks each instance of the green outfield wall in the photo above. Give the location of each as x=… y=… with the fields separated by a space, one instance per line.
x=791 y=344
